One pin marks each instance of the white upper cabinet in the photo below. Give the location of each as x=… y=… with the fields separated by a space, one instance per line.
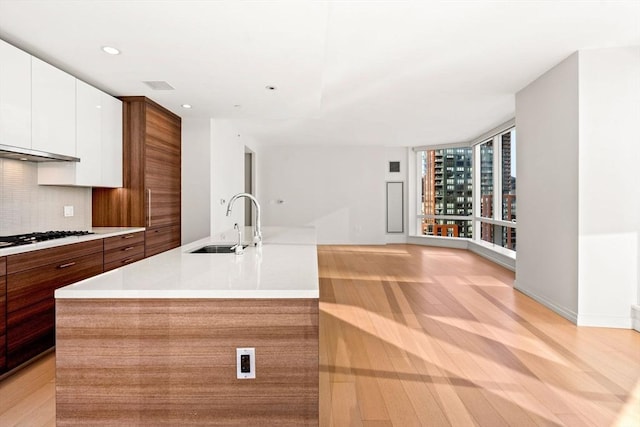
x=15 y=96
x=88 y=134
x=53 y=109
x=111 y=141
x=98 y=130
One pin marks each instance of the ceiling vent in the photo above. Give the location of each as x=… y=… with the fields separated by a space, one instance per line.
x=159 y=85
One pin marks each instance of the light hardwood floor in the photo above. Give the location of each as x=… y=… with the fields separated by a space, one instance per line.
x=414 y=335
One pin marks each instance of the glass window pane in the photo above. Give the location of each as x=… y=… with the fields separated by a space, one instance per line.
x=509 y=238
x=509 y=176
x=446 y=181
x=498 y=235
x=486 y=232
x=447 y=227
x=486 y=179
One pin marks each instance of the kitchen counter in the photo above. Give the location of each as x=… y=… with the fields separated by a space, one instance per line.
x=284 y=267
x=157 y=342
x=99 y=233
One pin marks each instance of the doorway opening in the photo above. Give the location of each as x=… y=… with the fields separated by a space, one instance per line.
x=249 y=185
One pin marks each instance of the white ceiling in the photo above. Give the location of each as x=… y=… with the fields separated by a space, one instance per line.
x=396 y=73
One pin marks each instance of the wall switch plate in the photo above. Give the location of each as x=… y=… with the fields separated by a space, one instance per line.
x=245 y=363
x=68 y=211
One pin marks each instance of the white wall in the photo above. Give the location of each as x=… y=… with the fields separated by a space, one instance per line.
x=609 y=193
x=227 y=173
x=196 y=179
x=547 y=157
x=340 y=190
x=578 y=199
x=398 y=154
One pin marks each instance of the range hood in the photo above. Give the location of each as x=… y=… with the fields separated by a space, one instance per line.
x=18 y=153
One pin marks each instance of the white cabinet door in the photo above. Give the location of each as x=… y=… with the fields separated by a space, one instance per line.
x=111 y=141
x=53 y=107
x=88 y=134
x=98 y=143
x=15 y=96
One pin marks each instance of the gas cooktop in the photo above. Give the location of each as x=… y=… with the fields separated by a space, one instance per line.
x=25 y=239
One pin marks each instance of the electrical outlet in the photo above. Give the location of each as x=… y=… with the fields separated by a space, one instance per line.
x=245 y=363
x=68 y=211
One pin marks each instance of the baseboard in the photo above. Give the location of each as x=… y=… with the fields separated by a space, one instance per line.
x=605 y=321
x=635 y=317
x=441 y=242
x=392 y=239
x=562 y=311
x=508 y=262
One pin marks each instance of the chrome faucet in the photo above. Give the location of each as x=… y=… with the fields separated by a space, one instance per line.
x=238 y=247
x=257 y=232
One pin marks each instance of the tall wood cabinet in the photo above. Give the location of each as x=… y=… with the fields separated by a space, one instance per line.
x=151 y=177
x=3 y=314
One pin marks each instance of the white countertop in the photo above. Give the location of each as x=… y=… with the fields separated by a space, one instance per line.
x=99 y=233
x=286 y=266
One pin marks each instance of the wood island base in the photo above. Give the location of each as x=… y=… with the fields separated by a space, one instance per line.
x=173 y=362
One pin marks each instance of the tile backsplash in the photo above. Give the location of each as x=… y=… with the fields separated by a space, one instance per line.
x=26 y=206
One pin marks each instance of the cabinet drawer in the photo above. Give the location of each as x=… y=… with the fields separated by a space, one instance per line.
x=121 y=256
x=3 y=266
x=30 y=286
x=30 y=332
x=3 y=304
x=115 y=242
x=161 y=239
x=59 y=255
x=3 y=324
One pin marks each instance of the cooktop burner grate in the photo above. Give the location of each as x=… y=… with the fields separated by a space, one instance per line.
x=25 y=239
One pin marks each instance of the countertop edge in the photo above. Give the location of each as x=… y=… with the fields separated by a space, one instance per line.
x=99 y=233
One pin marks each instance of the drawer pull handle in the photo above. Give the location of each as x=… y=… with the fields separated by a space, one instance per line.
x=128 y=260
x=128 y=248
x=67 y=265
x=128 y=236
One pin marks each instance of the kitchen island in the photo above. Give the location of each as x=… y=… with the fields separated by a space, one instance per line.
x=154 y=343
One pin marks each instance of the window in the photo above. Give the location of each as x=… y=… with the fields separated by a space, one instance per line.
x=446 y=178
x=496 y=186
x=470 y=192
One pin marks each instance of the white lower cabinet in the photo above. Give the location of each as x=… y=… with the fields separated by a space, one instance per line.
x=98 y=131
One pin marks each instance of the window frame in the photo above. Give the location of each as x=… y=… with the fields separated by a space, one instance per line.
x=496 y=219
x=495 y=135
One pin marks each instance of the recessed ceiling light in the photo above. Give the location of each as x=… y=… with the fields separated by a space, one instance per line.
x=111 y=50
x=270 y=87
x=186 y=106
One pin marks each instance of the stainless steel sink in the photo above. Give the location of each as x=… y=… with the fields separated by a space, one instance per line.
x=216 y=249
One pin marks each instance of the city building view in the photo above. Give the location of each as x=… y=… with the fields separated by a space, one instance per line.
x=447 y=191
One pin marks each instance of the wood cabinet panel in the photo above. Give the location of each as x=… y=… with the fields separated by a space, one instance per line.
x=30 y=332
x=3 y=319
x=59 y=254
x=121 y=256
x=3 y=266
x=184 y=369
x=161 y=239
x=33 y=277
x=37 y=284
x=116 y=242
